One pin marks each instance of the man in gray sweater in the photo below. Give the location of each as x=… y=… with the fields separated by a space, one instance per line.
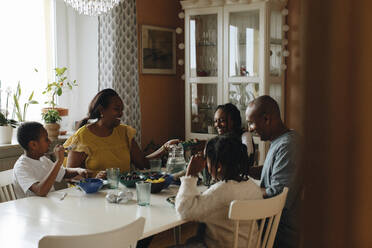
x=280 y=168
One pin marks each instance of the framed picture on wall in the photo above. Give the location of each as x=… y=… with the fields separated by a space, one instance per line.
x=158 y=47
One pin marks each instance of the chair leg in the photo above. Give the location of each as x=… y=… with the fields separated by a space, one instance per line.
x=177 y=234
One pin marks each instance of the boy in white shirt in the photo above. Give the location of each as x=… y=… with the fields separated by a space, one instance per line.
x=33 y=173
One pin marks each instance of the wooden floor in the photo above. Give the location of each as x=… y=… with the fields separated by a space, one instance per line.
x=166 y=239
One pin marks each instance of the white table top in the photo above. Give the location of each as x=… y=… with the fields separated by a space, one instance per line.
x=24 y=222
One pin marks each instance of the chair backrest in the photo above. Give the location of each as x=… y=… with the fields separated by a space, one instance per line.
x=6 y=186
x=268 y=211
x=125 y=236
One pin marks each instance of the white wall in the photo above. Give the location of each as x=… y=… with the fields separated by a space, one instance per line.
x=77 y=49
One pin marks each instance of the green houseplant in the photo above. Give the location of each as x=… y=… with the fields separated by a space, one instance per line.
x=51 y=118
x=57 y=87
x=21 y=114
x=6 y=124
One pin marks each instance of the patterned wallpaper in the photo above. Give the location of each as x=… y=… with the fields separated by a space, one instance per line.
x=118 y=59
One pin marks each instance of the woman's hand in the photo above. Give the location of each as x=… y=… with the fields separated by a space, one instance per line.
x=196 y=165
x=157 y=154
x=167 y=145
x=101 y=175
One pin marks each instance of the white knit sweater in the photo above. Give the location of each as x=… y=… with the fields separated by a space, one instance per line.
x=212 y=206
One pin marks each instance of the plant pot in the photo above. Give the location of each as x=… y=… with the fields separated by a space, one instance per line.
x=6 y=133
x=61 y=111
x=53 y=130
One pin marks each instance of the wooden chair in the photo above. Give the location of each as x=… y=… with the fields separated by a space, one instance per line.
x=266 y=211
x=6 y=186
x=125 y=236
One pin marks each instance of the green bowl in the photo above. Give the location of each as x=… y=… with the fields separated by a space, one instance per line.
x=129 y=183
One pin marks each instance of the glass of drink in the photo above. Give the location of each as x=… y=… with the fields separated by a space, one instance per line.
x=143 y=190
x=155 y=164
x=113 y=177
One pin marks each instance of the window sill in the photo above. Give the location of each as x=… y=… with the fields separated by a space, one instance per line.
x=14 y=149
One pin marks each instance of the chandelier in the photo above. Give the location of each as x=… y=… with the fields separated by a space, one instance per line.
x=92 y=7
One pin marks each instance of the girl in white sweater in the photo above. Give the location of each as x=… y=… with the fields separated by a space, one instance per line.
x=226 y=160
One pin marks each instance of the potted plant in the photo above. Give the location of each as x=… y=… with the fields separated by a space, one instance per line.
x=21 y=115
x=6 y=125
x=56 y=88
x=51 y=117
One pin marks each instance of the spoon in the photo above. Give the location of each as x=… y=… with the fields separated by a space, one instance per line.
x=69 y=148
x=63 y=196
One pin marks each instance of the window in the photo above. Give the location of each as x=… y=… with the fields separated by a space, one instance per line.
x=26 y=31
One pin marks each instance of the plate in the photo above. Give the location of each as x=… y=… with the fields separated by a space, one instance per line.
x=171 y=200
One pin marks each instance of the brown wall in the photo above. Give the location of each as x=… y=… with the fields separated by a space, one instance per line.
x=162 y=96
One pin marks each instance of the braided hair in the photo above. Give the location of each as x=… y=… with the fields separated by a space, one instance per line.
x=228 y=151
x=232 y=113
x=102 y=99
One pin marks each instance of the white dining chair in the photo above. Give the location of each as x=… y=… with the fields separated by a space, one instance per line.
x=6 y=186
x=266 y=212
x=126 y=236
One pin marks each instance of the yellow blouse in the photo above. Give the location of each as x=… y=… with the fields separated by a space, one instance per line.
x=104 y=152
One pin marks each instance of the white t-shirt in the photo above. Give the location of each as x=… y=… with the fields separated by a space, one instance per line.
x=28 y=171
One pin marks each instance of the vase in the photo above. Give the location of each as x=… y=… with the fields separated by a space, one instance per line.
x=52 y=130
x=6 y=133
x=61 y=111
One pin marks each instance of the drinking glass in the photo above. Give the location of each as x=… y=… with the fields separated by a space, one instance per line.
x=113 y=177
x=143 y=190
x=155 y=164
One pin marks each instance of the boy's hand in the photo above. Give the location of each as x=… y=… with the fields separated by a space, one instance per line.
x=101 y=175
x=197 y=164
x=59 y=151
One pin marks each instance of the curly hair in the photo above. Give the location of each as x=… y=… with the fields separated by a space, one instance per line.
x=231 y=154
x=27 y=132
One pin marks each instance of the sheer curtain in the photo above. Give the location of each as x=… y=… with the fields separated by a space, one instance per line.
x=26 y=43
x=118 y=59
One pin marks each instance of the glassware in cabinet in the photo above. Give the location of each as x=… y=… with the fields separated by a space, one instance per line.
x=203 y=99
x=203 y=45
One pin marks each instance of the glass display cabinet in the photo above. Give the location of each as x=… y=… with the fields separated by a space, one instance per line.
x=234 y=52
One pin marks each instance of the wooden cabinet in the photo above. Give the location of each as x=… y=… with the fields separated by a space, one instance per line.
x=233 y=53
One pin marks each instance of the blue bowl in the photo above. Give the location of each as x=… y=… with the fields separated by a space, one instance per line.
x=90 y=185
x=168 y=180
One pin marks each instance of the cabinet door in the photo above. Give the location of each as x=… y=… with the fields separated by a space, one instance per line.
x=243 y=50
x=203 y=41
x=203 y=45
x=203 y=104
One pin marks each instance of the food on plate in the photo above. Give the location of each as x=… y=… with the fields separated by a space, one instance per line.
x=160 y=180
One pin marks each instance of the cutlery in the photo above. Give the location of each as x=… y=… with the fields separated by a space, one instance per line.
x=63 y=196
x=69 y=148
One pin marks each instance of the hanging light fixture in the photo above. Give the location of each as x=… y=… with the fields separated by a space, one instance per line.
x=92 y=7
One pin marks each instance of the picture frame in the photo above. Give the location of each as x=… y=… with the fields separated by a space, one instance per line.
x=158 y=50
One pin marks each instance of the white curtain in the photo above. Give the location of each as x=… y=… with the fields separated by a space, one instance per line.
x=118 y=59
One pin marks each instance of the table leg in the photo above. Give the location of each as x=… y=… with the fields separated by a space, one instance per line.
x=177 y=234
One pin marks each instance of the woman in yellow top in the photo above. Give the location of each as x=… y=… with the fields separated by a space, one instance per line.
x=106 y=143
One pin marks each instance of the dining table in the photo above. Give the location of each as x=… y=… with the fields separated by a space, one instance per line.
x=70 y=211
